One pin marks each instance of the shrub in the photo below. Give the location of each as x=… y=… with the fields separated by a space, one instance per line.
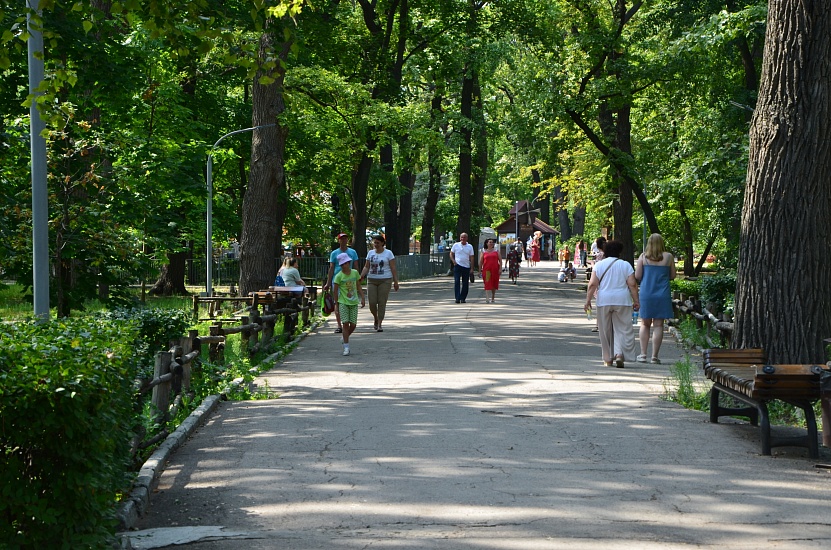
x=690 y=287
x=718 y=289
x=66 y=407
x=156 y=328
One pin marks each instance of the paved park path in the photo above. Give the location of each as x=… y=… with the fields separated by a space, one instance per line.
x=479 y=427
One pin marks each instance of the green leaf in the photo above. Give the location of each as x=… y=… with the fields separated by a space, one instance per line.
x=87 y=26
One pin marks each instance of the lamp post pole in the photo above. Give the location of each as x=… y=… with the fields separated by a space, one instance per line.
x=209 y=210
x=37 y=144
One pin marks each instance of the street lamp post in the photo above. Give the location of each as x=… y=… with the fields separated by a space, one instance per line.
x=40 y=199
x=209 y=212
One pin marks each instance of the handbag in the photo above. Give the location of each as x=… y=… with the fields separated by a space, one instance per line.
x=328 y=303
x=472 y=278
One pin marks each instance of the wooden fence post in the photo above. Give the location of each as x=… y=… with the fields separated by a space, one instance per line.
x=213 y=354
x=268 y=330
x=305 y=305
x=190 y=343
x=161 y=393
x=255 y=334
x=244 y=335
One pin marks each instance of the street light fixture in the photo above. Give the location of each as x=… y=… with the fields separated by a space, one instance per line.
x=209 y=212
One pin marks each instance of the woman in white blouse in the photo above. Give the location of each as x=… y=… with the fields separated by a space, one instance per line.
x=381 y=275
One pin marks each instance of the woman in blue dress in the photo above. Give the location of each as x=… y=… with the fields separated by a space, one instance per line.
x=655 y=269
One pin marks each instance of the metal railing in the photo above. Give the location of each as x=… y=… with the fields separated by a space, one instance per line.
x=227 y=271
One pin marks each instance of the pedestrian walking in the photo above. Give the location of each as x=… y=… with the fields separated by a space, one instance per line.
x=347 y=284
x=489 y=264
x=617 y=293
x=535 y=247
x=655 y=269
x=335 y=268
x=381 y=275
x=461 y=255
x=581 y=251
x=514 y=261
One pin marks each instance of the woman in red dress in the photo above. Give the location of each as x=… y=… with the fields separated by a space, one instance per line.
x=490 y=265
x=535 y=248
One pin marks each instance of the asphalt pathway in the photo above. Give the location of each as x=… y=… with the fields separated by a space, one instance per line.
x=479 y=426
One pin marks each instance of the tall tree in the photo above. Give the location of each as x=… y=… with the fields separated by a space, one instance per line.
x=264 y=206
x=788 y=196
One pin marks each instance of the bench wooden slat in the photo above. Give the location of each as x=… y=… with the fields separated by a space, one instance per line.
x=742 y=374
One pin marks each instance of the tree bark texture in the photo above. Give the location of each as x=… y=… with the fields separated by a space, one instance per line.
x=171 y=281
x=466 y=156
x=782 y=298
x=434 y=184
x=359 y=187
x=560 y=202
x=262 y=224
x=480 y=172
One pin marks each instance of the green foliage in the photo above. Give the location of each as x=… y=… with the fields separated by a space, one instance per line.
x=719 y=289
x=688 y=287
x=691 y=334
x=156 y=329
x=65 y=402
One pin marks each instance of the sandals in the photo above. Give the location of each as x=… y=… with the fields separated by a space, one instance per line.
x=655 y=361
x=642 y=358
x=619 y=361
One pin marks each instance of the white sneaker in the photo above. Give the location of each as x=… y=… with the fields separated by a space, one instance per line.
x=346 y=350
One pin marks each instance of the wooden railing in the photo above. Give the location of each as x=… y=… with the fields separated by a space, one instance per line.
x=712 y=326
x=173 y=368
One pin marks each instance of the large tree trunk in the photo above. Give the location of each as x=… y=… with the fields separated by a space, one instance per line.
x=360 y=216
x=466 y=157
x=578 y=217
x=171 y=281
x=560 y=200
x=782 y=294
x=261 y=208
x=398 y=208
x=434 y=185
x=480 y=174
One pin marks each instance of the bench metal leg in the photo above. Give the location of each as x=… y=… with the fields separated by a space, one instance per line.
x=716 y=410
x=759 y=415
x=764 y=426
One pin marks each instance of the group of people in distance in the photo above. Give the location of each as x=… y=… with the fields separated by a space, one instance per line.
x=615 y=284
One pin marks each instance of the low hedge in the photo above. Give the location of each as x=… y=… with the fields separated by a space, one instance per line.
x=66 y=398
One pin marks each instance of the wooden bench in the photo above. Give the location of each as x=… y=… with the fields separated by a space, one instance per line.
x=745 y=375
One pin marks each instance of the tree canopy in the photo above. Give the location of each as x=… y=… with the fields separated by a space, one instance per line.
x=413 y=117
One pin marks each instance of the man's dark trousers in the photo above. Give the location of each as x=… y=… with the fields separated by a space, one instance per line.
x=461 y=278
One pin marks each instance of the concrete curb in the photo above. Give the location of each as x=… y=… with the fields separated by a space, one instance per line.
x=134 y=506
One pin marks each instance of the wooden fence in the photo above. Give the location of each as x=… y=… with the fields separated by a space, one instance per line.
x=173 y=368
x=718 y=331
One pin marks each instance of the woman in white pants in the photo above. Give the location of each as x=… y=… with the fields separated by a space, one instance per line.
x=381 y=275
x=617 y=293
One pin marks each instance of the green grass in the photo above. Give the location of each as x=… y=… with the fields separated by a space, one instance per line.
x=686 y=387
x=691 y=335
x=13 y=304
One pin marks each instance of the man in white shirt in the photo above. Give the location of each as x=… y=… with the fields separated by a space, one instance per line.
x=461 y=255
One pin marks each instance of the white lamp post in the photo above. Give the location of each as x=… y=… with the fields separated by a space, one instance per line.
x=209 y=213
